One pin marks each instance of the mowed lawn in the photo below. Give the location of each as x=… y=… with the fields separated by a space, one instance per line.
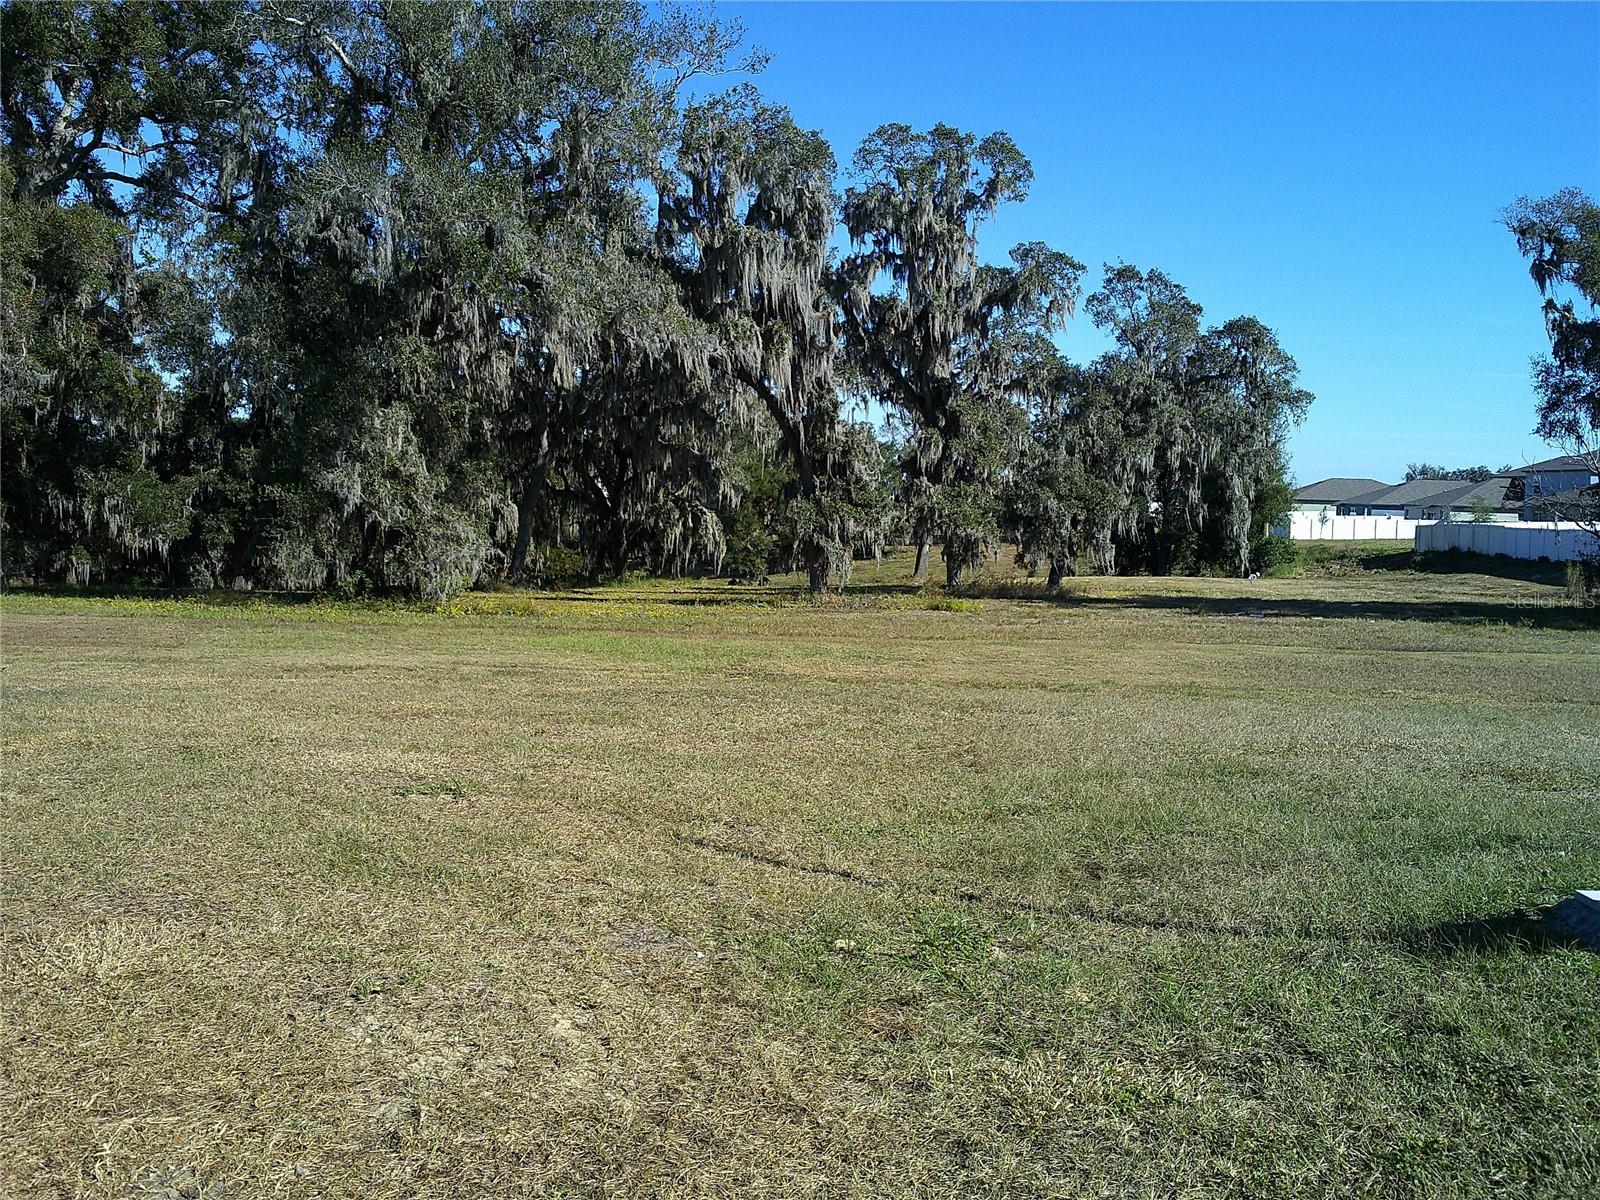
x=1172 y=889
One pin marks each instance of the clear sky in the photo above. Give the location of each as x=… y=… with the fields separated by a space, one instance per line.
x=1335 y=170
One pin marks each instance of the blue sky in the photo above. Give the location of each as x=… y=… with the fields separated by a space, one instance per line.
x=1335 y=170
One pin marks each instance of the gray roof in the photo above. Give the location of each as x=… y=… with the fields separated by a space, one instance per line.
x=1415 y=491
x=1491 y=493
x=1333 y=491
x=1564 y=462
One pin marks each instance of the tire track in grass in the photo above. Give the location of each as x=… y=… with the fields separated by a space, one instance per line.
x=1028 y=907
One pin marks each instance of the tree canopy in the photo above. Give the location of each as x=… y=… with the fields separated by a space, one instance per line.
x=1468 y=474
x=406 y=297
x=1560 y=237
x=947 y=340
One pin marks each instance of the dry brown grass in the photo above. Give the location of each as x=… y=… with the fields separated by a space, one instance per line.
x=638 y=892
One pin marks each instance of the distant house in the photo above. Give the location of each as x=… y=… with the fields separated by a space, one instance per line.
x=1345 y=508
x=1327 y=494
x=1579 y=504
x=1568 y=473
x=1557 y=489
x=1468 y=502
x=1394 y=499
x=1436 y=500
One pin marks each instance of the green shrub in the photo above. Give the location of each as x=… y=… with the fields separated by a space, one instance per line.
x=355 y=586
x=1583 y=580
x=549 y=565
x=750 y=546
x=1274 y=554
x=563 y=562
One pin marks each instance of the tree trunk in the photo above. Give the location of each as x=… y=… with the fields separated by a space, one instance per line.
x=620 y=549
x=1163 y=562
x=920 y=571
x=952 y=572
x=519 y=551
x=1060 y=567
x=613 y=561
x=1241 y=536
x=817 y=572
x=1105 y=552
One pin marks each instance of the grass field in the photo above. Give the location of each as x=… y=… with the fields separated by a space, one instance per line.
x=1170 y=888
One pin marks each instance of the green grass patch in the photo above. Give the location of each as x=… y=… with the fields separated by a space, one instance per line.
x=1155 y=887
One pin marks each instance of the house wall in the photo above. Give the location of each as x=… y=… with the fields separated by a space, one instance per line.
x=1548 y=483
x=1556 y=541
x=1327 y=527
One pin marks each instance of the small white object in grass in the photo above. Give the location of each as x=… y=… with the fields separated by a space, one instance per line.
x=1579 y=915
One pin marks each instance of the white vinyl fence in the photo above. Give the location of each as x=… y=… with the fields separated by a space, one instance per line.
x=1326 y=527
x=1554 y=540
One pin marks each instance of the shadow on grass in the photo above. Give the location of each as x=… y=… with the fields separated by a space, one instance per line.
x=1336 y=559
x=692 y=594
x=1533 y=931
x=211 y=597
x=1400 y=560
x=1554 y=611
x=1551 y=613
x=1539 y=612
x=1464 y=562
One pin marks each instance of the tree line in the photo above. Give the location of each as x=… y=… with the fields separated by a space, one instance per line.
x=404 y=297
